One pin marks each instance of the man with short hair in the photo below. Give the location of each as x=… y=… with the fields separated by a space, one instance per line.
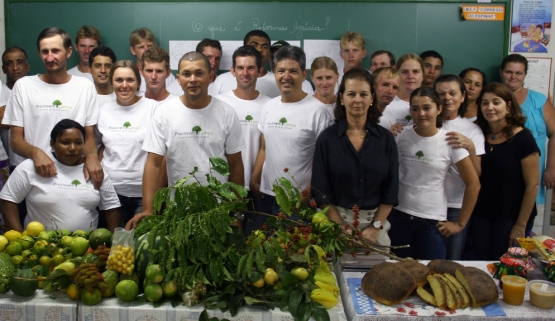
x=289 y=126
x=212 y=49
x=386 y=85
x=273 y=49
x=433 y=65
x=381 y=58
x=140 y=40
x=39 y=102
x=247 y=103
x=188 y=130
x=87 y=39
x=352 y=51
x=266 y=82
x=101 y=60
x=155 y=69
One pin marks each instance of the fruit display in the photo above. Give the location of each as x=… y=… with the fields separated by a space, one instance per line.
x=445 y=284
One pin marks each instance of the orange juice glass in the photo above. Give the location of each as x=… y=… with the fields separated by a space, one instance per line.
x=513 y=289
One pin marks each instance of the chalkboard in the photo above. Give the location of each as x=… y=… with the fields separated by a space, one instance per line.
x=398 y=26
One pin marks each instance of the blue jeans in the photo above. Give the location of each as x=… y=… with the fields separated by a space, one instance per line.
x=426 y=243
x=129 y=207
x=455 y=243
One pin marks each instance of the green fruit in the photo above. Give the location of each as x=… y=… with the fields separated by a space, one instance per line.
x=26 y=241
x=66 y=266
x=44 y=236
x=127 y=290
x=142 y=254
x=270 y=277
x=80 y=233
x=300 y=272
x=153 y=292
x=99 y=237
x=111 y=280
x=92 y=297
x=24 y=283
x=7 y=269
x=67 y=240
x=14 y=248
x=319 y=218
x=17 y=259
x=154 y=274
x=64 y=232
x=79 y=246
x=170 y=288
x=40 y=246
x=256 y=238
x=133 y=277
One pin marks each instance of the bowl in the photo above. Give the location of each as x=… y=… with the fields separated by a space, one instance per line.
x=542 y=294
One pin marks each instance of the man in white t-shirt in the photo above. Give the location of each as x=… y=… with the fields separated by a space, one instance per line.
x=15 y=64
x=266 y=83
x=381 y=58
x=87 y=39
x=247 y=103
x=386 y=85
x=155 y=69
x=188 y=130
x=101 y=60
x=289 y=126
x=39 y=102
x=139 y=41
x=352 y=50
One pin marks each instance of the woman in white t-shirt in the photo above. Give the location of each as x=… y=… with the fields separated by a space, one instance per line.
x=324 y=75
x=474 y=80
x=420 y=219
x=461 y=133
x=122 y=124
x=65 y=200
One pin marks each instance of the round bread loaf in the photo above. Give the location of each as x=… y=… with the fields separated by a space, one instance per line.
x=388 y=283
x=444 y=266
x=419 y=271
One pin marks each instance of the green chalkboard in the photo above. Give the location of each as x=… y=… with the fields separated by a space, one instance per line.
x=398 y=26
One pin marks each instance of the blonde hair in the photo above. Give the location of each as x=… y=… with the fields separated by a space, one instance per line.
x=88 y=32
x=323 y=63
x=141 y=35
x=409 y=56
x=353 y=37
x=156 y=54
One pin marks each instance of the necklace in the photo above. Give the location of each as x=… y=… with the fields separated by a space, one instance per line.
x=493 y=137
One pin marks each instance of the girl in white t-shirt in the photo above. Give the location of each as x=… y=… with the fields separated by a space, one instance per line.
x=324 y=75
x=65 y=200
x=123 y=124
x=420 y=219
x=461 y=133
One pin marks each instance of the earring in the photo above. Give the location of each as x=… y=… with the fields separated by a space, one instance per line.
x=370 y=105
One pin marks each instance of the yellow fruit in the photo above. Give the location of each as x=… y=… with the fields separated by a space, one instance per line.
x=270 y=277
x=324 y=297
x=329 y=287
x=16 y=259
x=300 y=272
x=44 y=260
x=40 y=246
x=319 y=218
x=259 y=283
x=3 y=242
x=73 y=292
x=57 y=259
x=325 y=277
x=13 y=235
x=34 y=228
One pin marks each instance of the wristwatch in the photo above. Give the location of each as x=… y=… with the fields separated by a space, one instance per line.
x=376 y=224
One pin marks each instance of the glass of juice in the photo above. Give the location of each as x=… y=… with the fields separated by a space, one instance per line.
x=542 y=294
x=513 y=289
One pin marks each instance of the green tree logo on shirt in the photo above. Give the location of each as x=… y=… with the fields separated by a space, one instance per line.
x=127 y=125
x=76 y=182
x=419 y=154
x=248 y=118
x=197 y=129
x=283 y=121
x=408 y=117
x=57 y=103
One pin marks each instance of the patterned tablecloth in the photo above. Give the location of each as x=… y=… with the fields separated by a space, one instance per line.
x=524 y=312
x=42 y=307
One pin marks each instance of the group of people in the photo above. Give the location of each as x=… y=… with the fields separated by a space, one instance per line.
x=400 y=152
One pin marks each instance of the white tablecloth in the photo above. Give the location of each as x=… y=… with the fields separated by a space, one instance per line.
x=40 y=306
x=523 y=312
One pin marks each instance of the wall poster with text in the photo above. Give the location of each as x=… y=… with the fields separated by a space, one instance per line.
x=531 y=25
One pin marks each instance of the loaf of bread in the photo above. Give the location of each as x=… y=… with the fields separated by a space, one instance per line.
x=444 y=266
x=418 y=270
x=479 y=285
x=426 y=296
x=388 y=283
x=460 y=288
x=453 y=299
x=439 y=292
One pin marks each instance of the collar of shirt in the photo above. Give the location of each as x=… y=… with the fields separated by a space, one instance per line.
x=370 y=128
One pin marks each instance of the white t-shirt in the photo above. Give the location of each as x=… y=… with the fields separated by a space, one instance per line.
x=290 y=131
x=423 y=165
x=454 y=185
x=398 y=111
x=330 y=110
x=188 y=137
x=14 y=158
x=38 y=106
x=4 y=133
x=76 y=72
x=103 y=99
x=65 y=199
x=249 y=112
x=265 y=85
x=123 y=130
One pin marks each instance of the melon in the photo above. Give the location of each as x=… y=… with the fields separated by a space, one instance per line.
x=24 y=283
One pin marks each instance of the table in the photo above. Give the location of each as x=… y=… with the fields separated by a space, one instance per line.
x=42 y=307
x=524 y=312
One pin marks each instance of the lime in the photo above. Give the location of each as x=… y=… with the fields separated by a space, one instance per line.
x=92 y=297
x=64 y=232
x=154 y=273
x=12 y=235
x=26 y=242
x=14 y=248
x=44 y=260
x=16 y=259
x=79 y=246
x=153 y=292
x=34 y=228
x=3 y=242
x=169 y=288
x=57 y=259
x=26 y=253
x=44 y=236
x=127 y=290
x=79 y=233
x=52 y=233
x=40 y=246
x=67 y=240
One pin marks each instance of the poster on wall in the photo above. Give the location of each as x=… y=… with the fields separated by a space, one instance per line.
x=531 y=25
